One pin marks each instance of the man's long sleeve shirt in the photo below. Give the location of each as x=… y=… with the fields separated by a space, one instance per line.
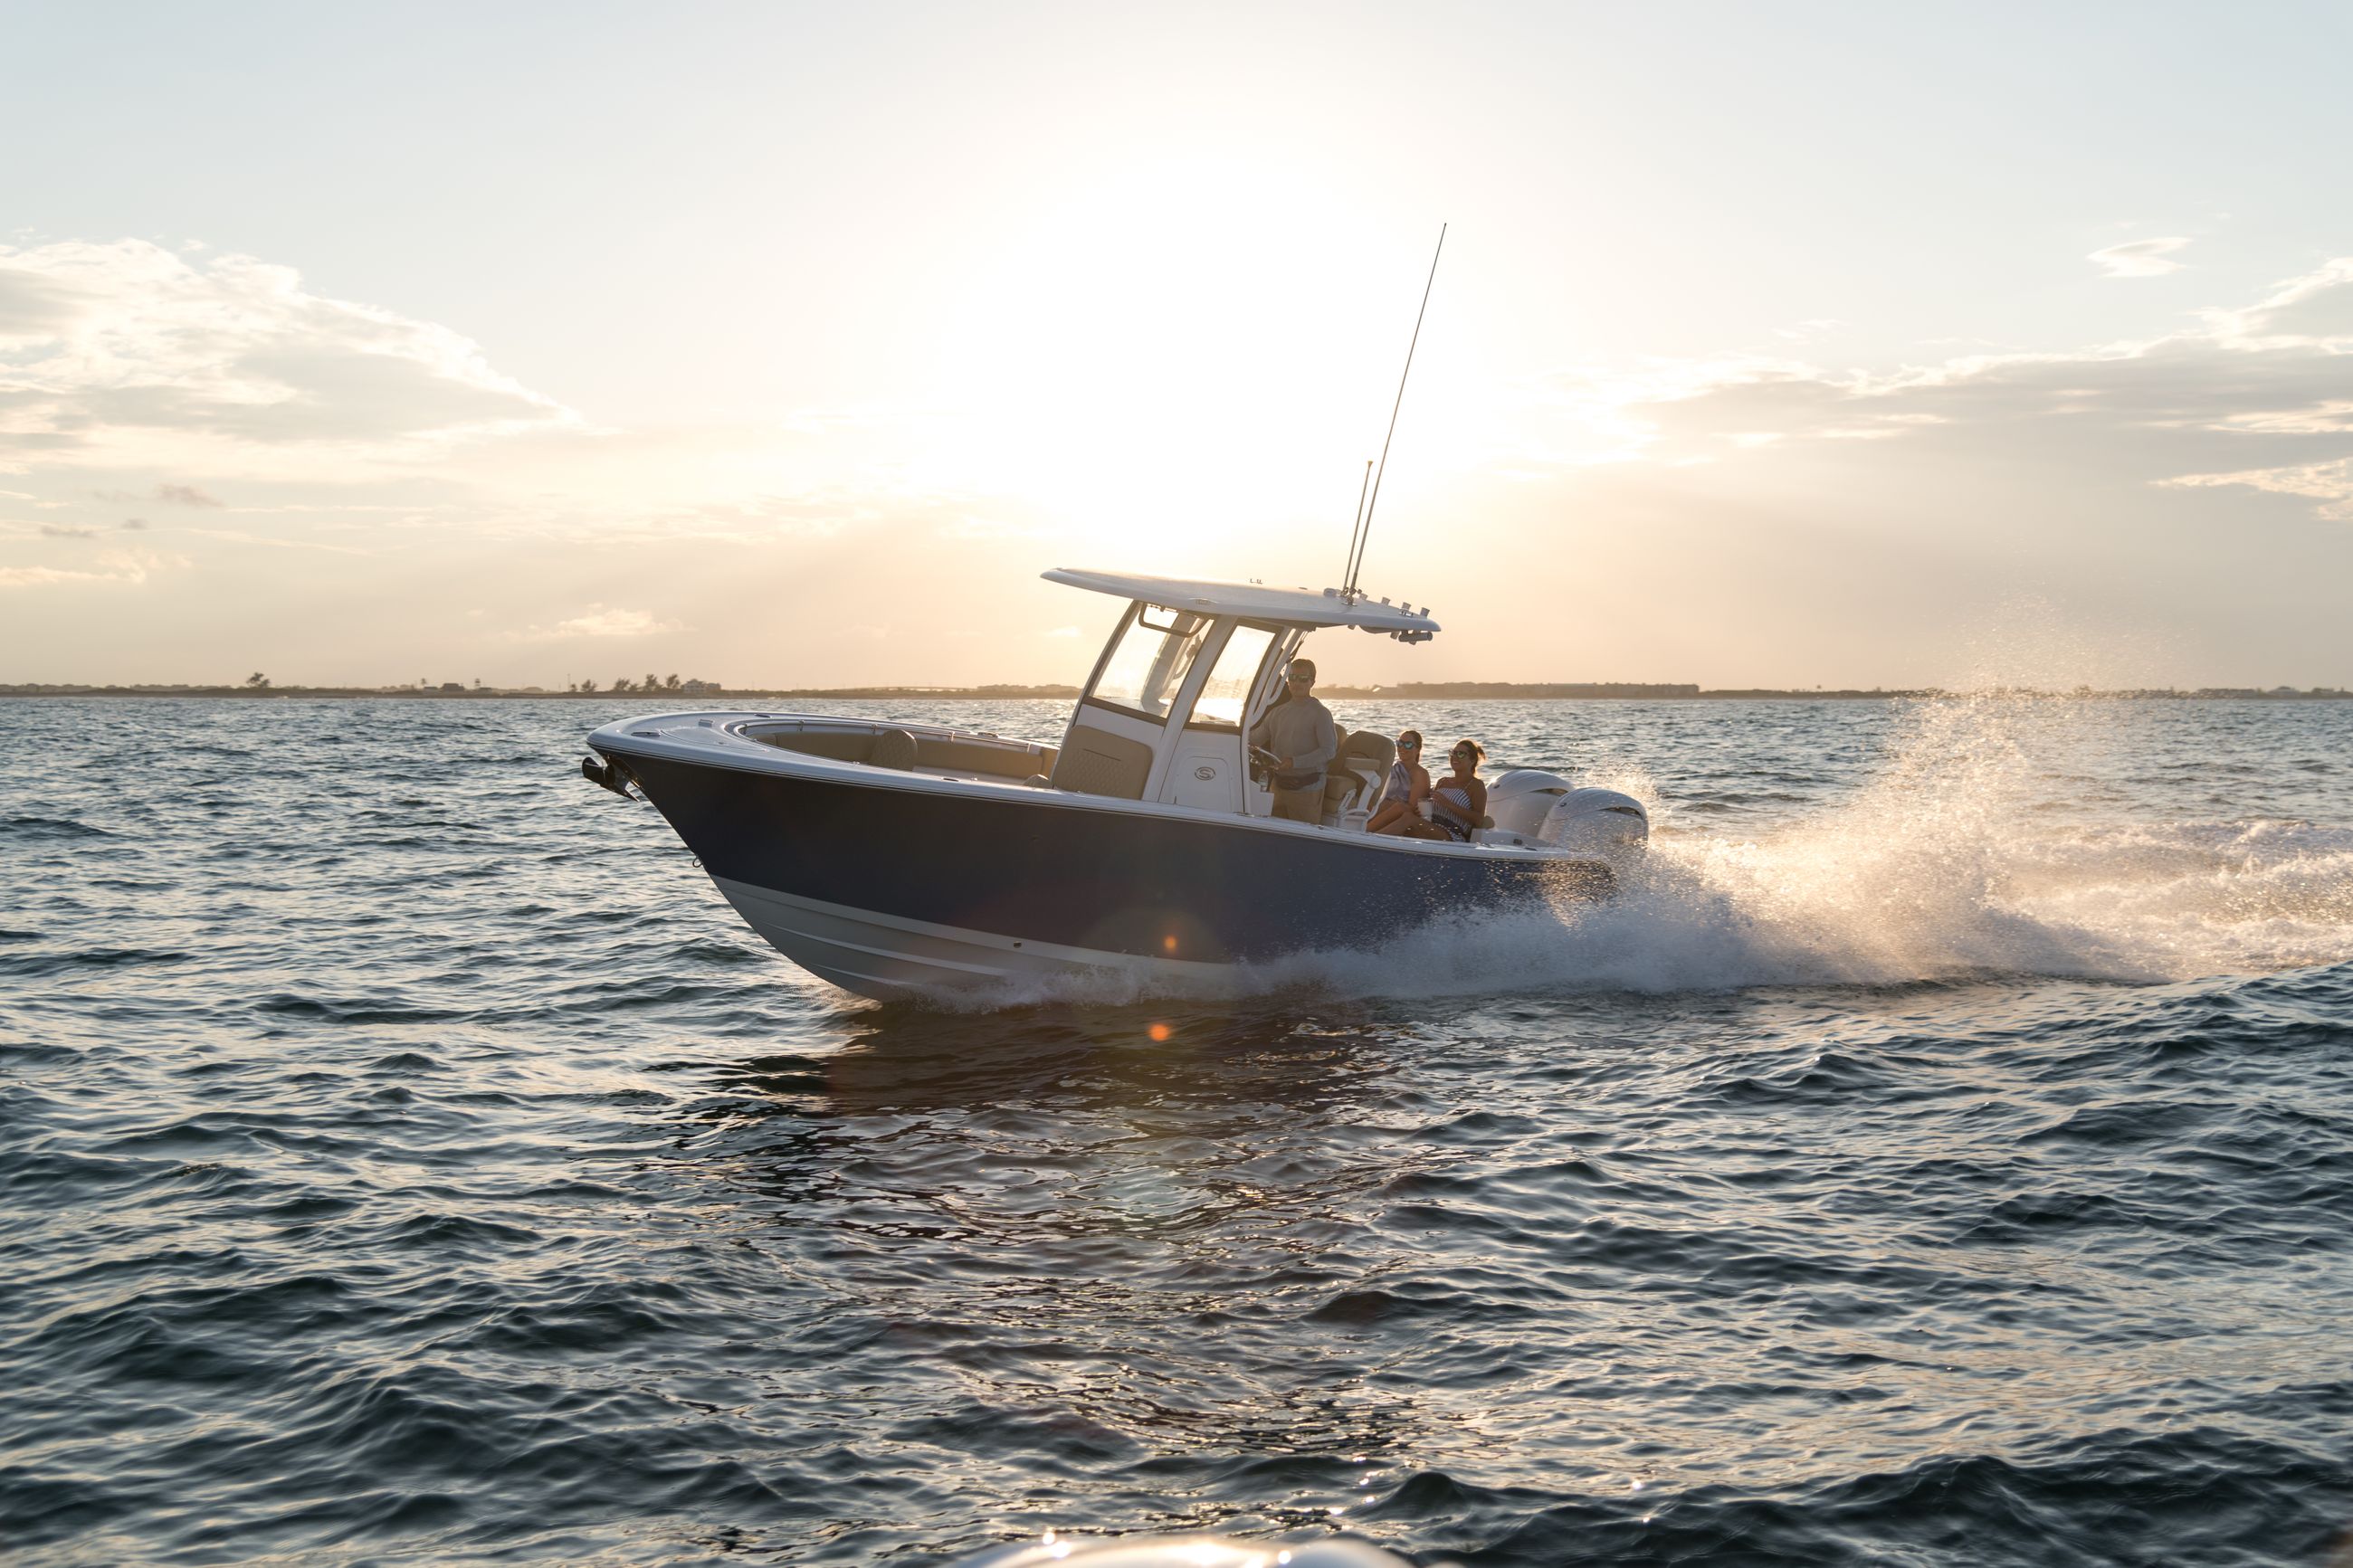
x=1302 y=730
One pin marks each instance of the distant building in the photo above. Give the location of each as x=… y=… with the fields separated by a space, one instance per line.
x=700 y=686
x=453 y=686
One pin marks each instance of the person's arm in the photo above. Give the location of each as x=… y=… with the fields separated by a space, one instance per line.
x=1478 y=801
x=1261 y=735
x=1419 y=789
x=1326 y=737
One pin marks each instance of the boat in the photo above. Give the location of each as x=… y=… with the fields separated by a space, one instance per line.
x=898 y=860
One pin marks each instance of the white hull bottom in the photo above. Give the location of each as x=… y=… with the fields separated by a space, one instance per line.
x=888 y=958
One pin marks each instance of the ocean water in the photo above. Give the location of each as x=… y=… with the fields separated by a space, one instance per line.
x=1940 y=1153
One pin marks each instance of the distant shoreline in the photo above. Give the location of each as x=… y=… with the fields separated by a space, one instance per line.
x=1420 y=692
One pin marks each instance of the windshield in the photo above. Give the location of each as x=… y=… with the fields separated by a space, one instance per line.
x=1229 y=686
x=1149 y=664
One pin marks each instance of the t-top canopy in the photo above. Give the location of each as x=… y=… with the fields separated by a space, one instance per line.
x=1255 y=601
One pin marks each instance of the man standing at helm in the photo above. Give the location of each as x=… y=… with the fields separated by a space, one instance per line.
x=1298 y=733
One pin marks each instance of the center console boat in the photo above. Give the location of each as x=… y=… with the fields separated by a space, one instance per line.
x=897 y=859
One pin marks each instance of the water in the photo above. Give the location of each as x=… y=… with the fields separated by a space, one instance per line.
x=1942 y=1155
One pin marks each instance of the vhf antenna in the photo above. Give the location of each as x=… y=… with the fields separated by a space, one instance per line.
x=1349 y=576
x=1363 y=532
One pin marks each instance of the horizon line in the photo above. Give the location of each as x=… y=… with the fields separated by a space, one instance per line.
x=1440 y=690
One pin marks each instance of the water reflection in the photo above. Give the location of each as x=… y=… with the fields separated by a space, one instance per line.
x=1143 y=1056
x=1035 y=1136
x=1105 y=1243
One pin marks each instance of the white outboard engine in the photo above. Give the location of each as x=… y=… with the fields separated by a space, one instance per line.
x=1550 y=810
x=1520 y=799
x=1597 y=822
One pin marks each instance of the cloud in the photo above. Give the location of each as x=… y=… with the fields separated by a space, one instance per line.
x=2253 y=398
x=105 y=347
x=115 y=566
x=239 y=536
x=66 y=531
x=41 y=576
x=172 y=495
x=2316 y=309
x=2330 y=484
x=32 y=303
x=818 y=511
x=192 y=382
x=599 y=621
x=2138 y=258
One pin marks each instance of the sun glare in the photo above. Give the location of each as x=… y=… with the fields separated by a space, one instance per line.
x=1123 y=370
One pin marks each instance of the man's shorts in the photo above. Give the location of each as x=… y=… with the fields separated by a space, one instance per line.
x=1301 y=804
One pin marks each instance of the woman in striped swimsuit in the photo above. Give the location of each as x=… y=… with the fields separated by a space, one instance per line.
x=1458 y=804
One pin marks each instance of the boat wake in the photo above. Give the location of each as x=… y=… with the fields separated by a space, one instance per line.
x=1978 y=849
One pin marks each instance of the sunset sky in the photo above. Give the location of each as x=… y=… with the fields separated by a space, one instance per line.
x=1790 y=345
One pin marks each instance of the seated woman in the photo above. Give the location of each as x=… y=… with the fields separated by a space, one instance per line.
x=1457 y=803
x=1408 y=786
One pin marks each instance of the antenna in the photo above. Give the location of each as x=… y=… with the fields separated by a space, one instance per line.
x=1350 y=576
x=1365 y=531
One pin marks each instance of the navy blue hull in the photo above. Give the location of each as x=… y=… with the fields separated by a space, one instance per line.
x=1059 y=870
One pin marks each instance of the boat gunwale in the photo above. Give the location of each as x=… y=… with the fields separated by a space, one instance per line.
x=764 y=758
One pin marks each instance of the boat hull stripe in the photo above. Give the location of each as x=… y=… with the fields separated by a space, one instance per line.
x=1026 y=869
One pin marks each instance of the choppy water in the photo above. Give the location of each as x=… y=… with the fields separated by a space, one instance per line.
x=1943 y=1156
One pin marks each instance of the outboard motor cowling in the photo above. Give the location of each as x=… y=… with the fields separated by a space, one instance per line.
x=1596 y=822
x=1520 y=799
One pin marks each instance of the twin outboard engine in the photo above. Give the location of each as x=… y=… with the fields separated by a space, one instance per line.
x=1550 y=810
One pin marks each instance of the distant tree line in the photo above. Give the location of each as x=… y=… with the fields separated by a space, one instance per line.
x=650 y=683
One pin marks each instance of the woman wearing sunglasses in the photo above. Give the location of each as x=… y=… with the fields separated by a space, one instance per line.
x=1408 y=786
x=1457 y=803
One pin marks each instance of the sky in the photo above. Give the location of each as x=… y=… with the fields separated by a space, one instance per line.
x=1815 y=344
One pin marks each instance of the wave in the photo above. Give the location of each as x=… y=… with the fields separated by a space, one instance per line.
x=48 y=827
x=2111 y=1496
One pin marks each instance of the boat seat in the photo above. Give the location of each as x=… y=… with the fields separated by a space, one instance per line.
x=1373 y=747
x=885 y=747
x=958 y=755
x=1364 y=761
x=840 y=746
